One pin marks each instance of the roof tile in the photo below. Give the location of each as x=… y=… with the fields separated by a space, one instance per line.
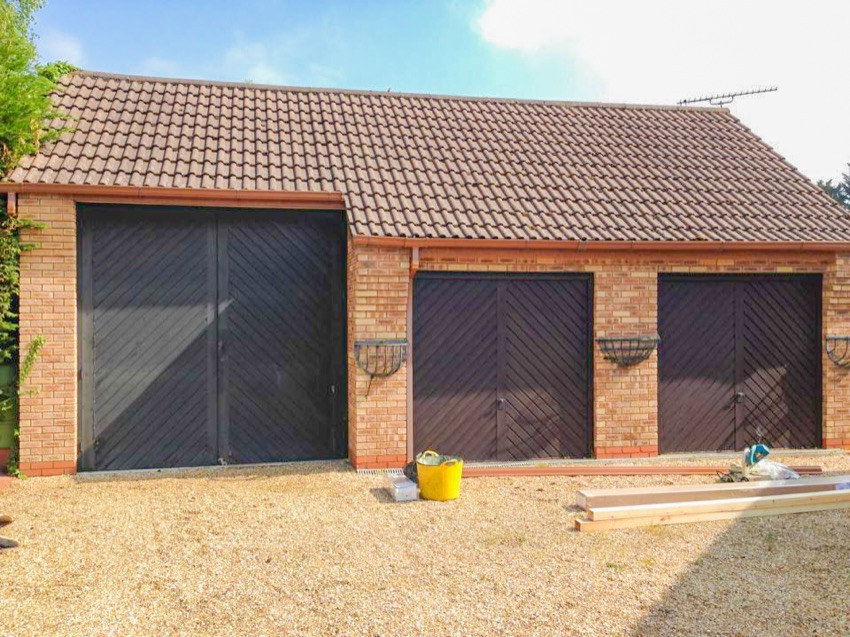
x=428 y=166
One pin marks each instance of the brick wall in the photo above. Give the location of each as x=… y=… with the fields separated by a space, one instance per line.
x=625 y=398
x=836 y=380
x=378 y=292
x=48 y=306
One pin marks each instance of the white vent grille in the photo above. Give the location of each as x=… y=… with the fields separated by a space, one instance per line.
x=380 y=472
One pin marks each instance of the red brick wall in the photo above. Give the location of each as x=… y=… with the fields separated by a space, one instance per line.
x=625 y=398
x=48 y=306
x=378 y=289
x=836 y=380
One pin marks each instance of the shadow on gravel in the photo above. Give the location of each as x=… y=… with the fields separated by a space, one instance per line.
x=783 y=576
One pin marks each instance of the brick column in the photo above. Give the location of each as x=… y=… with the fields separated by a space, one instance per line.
x=378 y=289
x=626 y=398
x=48 y=307
x=836 y=380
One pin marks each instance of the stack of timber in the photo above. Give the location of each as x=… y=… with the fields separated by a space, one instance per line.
x=628 y=508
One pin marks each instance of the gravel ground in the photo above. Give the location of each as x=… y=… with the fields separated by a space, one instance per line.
x=319 y=550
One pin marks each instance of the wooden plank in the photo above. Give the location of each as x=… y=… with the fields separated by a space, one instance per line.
x=602 y=470
x=659 y=520
x=714 y=506
x=685 y=493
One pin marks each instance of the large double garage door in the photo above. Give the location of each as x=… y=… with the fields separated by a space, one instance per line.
x=501 y=366
x=209 y=336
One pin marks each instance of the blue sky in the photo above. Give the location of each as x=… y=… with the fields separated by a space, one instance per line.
x=427 y=46
x=652 y=51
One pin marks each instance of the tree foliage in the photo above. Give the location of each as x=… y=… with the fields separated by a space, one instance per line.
x=840 y=191
x=27 y=120
x=25 y=85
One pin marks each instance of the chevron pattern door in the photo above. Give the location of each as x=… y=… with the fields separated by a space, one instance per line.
x=209 y=336
x=740 y=357
x=500 y=366
x=544 y=369
x=280 y=324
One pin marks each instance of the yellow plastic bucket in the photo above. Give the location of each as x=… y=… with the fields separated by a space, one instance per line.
x=439 y=476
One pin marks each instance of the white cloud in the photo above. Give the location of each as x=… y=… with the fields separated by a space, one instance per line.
x=159 y=67
x=661 y=51
x=285 y=58
x=56 y=45
x=256 y=62
x=288 y=58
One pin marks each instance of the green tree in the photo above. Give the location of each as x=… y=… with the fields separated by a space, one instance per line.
x=840 y=191
x=25 y=85
x=27 y=120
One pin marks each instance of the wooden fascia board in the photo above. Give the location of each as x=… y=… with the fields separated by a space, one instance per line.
x=184 y=196
x=619 y=246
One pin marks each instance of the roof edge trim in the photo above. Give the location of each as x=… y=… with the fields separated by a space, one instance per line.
x=388 y=93
x=187 y=196
x=590 y=246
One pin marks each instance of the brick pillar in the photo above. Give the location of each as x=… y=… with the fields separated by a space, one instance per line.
x=626 y=398
x=378 y=289
x=48 y=307
x=836 y=380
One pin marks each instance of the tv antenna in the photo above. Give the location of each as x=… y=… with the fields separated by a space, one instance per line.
x=727 y=98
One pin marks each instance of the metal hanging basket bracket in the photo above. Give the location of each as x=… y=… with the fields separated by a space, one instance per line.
x=628 y=350
x=838 y=350
x=380 y=358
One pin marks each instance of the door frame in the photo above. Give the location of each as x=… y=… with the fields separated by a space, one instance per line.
x=748 y=277
x=586 y=277
x=86 y=455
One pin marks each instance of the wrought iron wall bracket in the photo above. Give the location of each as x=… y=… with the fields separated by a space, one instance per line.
x=380 y=358
x=628 y=350
x=838 y=350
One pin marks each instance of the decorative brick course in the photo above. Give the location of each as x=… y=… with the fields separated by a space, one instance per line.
x=48 y=307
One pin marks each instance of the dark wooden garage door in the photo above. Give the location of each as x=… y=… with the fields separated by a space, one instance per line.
x=209 y=336
x=738 y=357
x=501 y=366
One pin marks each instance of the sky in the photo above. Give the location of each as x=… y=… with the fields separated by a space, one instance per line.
x=641 y=51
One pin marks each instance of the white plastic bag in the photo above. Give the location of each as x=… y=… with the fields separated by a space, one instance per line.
x=772 y=470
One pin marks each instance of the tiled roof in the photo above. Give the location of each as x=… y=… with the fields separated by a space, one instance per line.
x=424 y=166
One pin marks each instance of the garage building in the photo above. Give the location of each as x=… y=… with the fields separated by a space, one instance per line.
x=234 y=273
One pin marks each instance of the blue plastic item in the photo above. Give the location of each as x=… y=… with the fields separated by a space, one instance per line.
x=756 y=453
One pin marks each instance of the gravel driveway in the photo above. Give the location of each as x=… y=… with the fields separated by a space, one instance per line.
x=318 y=550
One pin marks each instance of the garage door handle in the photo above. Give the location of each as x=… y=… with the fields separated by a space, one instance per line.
x=500 y=404
x=739 y=398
